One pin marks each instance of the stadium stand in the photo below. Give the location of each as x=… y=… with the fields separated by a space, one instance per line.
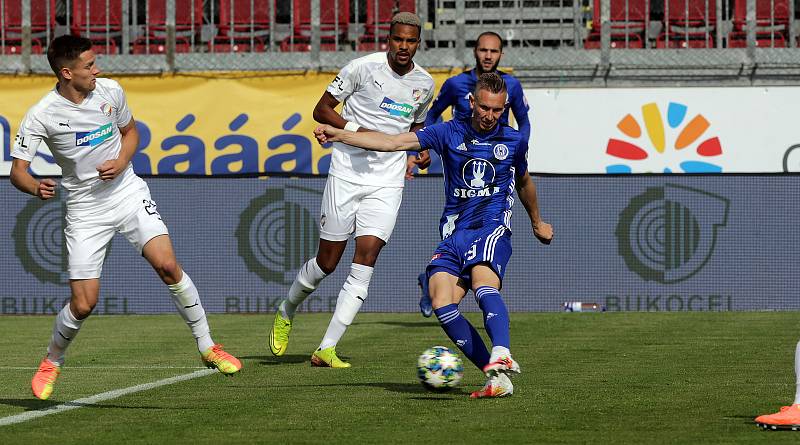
x=688 y=24
x=101 y=23
x=334 y=18
x=772 y=24
x=628 y=19
x=244 y=26
x=188 y=22
x=43 y=24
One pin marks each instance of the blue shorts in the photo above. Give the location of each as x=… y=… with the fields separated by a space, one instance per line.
x=457 y=254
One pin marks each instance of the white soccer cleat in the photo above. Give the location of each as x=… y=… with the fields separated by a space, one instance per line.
x=497 y=386
x=502 y=365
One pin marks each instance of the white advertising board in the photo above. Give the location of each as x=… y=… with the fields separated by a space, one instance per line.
x=664 y=130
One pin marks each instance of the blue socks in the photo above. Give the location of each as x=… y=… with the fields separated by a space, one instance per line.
x=463 y=334
x=495 y=315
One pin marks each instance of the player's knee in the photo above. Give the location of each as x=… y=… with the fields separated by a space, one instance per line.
x=81 y=308
x=168 y=270
x=327 y=265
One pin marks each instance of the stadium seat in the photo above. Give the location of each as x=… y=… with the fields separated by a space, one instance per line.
x=43 y=24
x=627 y=25
x=241 y=30
x=334 y=22
x=376 y=25
x=772 y=24
x=188 y=22
x=102 y=26
x=688 y=24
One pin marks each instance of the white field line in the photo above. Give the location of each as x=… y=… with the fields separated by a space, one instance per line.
x=97 y=398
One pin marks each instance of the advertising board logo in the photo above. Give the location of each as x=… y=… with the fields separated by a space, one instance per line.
x=396 y=108
x=680 y=146
x=791 y=159
x=277 y=232
x=39 y=240
x=667 y=234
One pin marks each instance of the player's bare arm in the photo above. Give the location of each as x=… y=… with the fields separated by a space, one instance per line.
x=22 y=180
x=371 y=140
x=112 y=168
x=526 y=190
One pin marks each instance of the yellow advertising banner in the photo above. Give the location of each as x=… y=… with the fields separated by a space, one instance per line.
x=203 y=124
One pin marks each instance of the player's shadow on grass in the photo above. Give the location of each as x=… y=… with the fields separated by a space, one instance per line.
x=406 y=388
x=404 y=324
x=270 y=360
x=36 y=404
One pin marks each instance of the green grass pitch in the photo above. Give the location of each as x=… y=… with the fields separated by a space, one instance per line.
x=586 y=378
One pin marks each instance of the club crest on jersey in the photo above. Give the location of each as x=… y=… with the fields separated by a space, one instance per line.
x=396 y=108
x=500 y=151
x=94 y=137
x=418 y=93
x=106 y=109
x=478 y=176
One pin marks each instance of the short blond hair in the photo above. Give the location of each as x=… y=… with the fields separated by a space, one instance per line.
x=406 y=18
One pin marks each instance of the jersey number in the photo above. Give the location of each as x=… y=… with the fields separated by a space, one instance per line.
x=472 y=252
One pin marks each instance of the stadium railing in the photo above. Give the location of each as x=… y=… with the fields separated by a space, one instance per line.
x=577 y=41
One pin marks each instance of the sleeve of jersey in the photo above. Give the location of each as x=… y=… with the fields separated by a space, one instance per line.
x=521 y=158
x=519 y=106
x=431 y=138
x=422 y=111
x=440 y=104
x=30 y=137
x=124 y=115
x=346 y=82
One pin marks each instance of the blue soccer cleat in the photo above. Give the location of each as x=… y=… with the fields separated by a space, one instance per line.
x=425 y=304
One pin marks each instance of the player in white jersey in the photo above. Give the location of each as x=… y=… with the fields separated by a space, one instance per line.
x=384 y=92
x=86 y=124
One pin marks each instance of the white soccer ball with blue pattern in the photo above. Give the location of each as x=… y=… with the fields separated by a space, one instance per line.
x=439 y=368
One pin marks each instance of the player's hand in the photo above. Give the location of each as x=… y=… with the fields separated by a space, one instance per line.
x=326 y=133
x=411 y=164
x=423 y=160
x=110 y=169
x=46 y=189
x=543 y=232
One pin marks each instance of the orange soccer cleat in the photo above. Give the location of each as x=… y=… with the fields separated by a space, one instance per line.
x=215 y=357
x=497 y=386
x=788 y=418
x=45 y=378
x=502 y=365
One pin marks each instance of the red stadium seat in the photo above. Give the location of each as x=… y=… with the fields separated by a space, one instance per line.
x=103 y=26
x=188 y=22
x=688 y=24
x=627 y=24
x=772 y=24
x=43 y=23
x=376 y=25
x=239 y=29
x=334 y=22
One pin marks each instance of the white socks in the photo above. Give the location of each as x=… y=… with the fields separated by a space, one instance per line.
x=308 y=278
x=797 y=372
x=64 y=331
x=351 y=297
x=187 y=301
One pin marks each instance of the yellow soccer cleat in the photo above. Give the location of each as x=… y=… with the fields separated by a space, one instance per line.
x=788 y=418
x=44 y=379
x=279 y=335
x=326 y=358
x=215 y=357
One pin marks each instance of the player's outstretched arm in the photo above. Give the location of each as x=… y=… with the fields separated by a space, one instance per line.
x=112 y=168
x=370 y=140
x=526 y=190
x=22 y=180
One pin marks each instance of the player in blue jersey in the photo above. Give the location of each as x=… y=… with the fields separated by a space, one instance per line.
x=456 y=93
x=484 y=162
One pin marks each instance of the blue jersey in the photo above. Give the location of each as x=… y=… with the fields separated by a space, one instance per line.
x=480 y=170
x=456 y=90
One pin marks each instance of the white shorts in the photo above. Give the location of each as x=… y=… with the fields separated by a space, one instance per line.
x=88 y=232
x=349 y=208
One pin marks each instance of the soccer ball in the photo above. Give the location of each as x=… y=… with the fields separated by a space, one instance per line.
x=439 y=368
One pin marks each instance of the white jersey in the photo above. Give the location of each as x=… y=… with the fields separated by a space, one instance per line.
x=377 y=98
x=81 y=137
